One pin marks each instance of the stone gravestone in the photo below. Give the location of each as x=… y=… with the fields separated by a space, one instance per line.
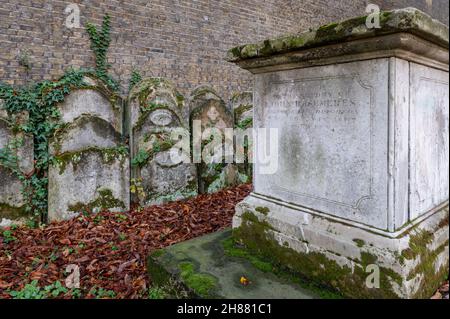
x=359 y=201
x=90 y=171
x=210 y=111
x=16 y=159
x=157 y=110
x=242 y=106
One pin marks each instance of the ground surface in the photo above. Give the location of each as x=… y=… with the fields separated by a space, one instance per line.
x=230 y=277
x=110 y=249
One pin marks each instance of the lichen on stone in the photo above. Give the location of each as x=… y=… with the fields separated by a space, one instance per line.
x=403 y=20
x=108 y=155
x=104 y=201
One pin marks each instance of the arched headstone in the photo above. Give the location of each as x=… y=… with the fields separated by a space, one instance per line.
x=90 y=168
x=208 y=111
x=157 y=109
x=16 y=159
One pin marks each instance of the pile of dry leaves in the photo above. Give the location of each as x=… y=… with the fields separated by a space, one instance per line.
x=110 y=249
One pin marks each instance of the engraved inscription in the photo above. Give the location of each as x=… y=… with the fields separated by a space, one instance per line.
x=326 y=138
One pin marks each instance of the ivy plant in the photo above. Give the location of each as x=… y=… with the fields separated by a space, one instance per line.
x=40 y=100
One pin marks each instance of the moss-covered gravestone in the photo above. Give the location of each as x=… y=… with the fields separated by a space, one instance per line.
x=242 y=106
x=209 y=114
x=157 y=110
x=90 y=168
x=16 y=161
x=358 y=199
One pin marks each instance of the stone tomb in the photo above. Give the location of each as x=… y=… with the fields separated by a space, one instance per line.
x=363 y=178
x=210 y=110
x=91 y=163
x=156 y=110
x=16 y=148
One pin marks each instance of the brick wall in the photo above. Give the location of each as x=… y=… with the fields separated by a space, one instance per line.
x=183 y=40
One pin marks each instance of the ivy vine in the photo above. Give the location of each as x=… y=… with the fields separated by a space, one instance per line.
x=136 y=77
x=100 y=42
x=40 y=100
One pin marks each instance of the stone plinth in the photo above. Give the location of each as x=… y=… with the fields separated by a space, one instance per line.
x=362 y=179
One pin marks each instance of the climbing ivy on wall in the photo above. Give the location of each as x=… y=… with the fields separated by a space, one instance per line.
x=100 y=41
x=136 y=77
x=40 y=100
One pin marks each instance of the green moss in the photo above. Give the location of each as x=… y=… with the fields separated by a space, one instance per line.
x=12 y=212
x=108 y=155
x=157 y=253
x=262 y=210
x=316 y=267
x=174 y=196
x=104 y=201
x=359 y=242
x=232 y=251
x=419 y=249
x=244 y=124
x=101 y=127
x=202 y=284
x=158 y=275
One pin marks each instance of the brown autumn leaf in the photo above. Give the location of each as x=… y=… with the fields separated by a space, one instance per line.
x=104 y=258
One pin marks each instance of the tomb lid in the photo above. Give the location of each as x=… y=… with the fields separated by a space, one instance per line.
x=407 y=20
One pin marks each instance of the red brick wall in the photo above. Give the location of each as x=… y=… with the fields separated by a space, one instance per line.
x=183 y=40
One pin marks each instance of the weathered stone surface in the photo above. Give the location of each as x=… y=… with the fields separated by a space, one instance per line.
x=429 y=129
x=242 y=106
x=332 y=133
x=412 y=263
x=157 y=110
x=16 y=159
x=90 y=181
x=210 y=111
x=363 y=157
x=221 y=272
x=409 y=20
x=90 y=170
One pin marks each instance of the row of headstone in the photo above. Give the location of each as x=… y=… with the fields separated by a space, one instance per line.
x=159 y=116
x=92 y=167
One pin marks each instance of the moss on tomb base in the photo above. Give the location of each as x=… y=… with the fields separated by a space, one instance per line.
x=256 y=241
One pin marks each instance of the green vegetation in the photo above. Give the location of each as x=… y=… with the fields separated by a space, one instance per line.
x=136 y=77
x=34 y=291
x=103 y=202
x=201 y=284
x=100 y=41
x=7 y=236
x=40 y=100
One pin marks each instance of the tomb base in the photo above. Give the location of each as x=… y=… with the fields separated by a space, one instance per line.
x=357 y=260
